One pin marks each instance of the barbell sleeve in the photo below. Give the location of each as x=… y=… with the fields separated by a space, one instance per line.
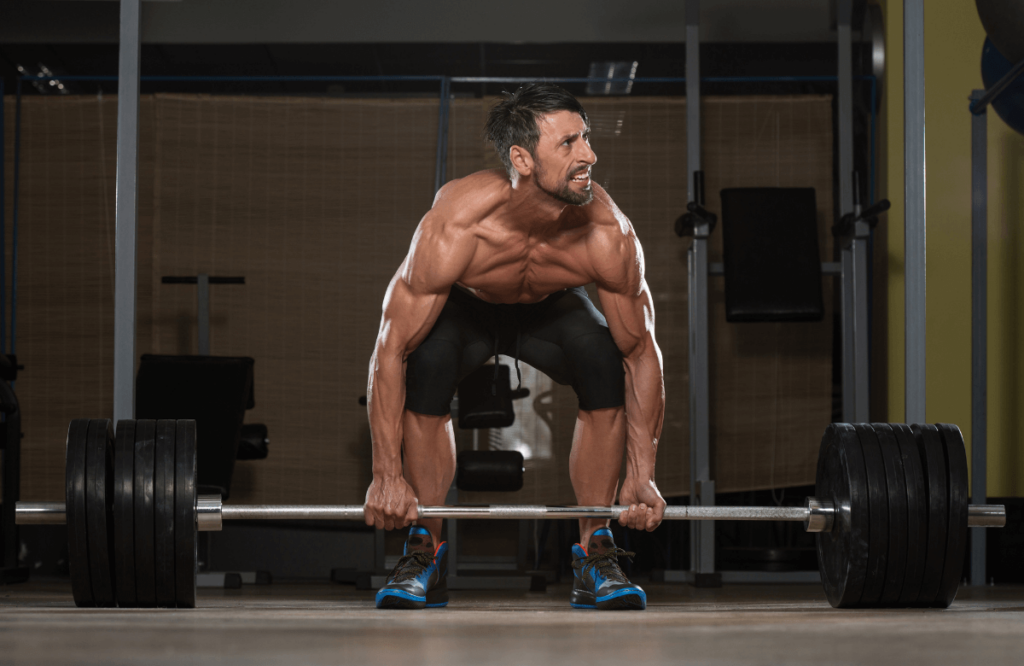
x=817 y=514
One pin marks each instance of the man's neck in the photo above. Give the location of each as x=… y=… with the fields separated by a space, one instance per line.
x=531 y=208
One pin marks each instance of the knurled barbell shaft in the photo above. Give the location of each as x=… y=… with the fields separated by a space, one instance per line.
x=355 y=512
x=211 y=512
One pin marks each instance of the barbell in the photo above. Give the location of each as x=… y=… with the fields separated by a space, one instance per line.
x=890 y=516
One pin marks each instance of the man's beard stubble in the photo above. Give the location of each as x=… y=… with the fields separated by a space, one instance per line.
x=566 y=194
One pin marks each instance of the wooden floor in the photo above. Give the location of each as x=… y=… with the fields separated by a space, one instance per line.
x=334 y=624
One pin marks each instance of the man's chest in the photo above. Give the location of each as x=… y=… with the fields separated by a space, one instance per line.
x=523 y=270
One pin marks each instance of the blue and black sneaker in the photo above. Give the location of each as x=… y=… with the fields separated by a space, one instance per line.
x=599 y=582
x=420 y=579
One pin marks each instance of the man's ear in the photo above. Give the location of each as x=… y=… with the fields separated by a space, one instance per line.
x=522 y=160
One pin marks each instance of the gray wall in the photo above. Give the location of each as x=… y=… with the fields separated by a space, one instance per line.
x=334 y=21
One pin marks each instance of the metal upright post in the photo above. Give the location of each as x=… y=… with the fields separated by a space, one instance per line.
x=3 y=223
x=444 y=104
x=853 y=252
x=844 y=106
x=126 y=211
x=915 y=226
x=702 y=487
x=979 y=328
x=203 y=313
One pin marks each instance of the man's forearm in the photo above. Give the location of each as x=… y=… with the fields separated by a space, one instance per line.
x=385 y=401
x=645 y=409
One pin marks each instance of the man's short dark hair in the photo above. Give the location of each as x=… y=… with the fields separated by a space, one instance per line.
x=513 y=120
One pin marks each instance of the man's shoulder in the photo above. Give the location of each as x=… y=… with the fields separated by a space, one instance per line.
x=608 y=224
x=463 y=202
x=612 y=244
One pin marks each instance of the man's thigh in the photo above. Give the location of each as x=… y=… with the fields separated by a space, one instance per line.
x=458 y=343
x=570 y=342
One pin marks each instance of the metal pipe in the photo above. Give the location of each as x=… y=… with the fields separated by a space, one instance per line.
x=3 y=222
x=982 y=98
x=453 y=79
x=211 y=512
x=14 y=219
x=979 y=329
x=514 y=512
x=203 y=313
x=40 y=513
x=126 y=211
x=914 y=167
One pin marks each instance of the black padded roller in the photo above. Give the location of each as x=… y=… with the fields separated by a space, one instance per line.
x=496 y=471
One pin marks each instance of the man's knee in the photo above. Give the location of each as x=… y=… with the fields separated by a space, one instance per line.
x=431 y=378
x=598 y=375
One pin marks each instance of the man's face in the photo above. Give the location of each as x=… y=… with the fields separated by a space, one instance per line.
x=563 y=158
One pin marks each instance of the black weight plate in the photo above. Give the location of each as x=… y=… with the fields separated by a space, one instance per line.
x=929 y=443
x=124 y=513
x=841 y=479
x=163 y=495
x=185 y=536
x=895 y=481
x=99 y=483
x=956 y=537
x=145 y=553
x=878 y=521
x=917 y=513
x=74 y=509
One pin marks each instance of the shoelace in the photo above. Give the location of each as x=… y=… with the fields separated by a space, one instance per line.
x=410 y=566
x=606 y=563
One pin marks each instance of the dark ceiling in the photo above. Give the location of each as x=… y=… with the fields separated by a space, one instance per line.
x=497 y=60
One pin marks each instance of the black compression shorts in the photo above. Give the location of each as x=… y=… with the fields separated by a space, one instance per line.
x=564 y=336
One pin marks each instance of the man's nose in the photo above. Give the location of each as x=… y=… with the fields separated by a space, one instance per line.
x=586 y=154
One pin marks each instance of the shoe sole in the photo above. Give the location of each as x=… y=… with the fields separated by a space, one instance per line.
x=627 y=601
x=397 y=600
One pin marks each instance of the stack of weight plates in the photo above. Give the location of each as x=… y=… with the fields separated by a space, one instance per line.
x=131 y=513
x=900 y=532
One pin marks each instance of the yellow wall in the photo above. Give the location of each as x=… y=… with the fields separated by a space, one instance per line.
x=953 y=42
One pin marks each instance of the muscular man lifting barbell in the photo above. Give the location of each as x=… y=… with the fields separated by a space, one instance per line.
x=498 y=266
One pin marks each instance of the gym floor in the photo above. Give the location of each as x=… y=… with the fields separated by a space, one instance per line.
x=334 y=624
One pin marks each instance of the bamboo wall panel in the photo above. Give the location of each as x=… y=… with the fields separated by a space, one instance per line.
x=314 y=201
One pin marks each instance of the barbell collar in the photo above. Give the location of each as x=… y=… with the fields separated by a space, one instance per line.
x=820 y=515
x=40 y=513
x=209 y=513
x=986 y=515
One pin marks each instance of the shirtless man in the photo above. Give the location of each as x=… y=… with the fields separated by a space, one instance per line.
x=498 y=265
